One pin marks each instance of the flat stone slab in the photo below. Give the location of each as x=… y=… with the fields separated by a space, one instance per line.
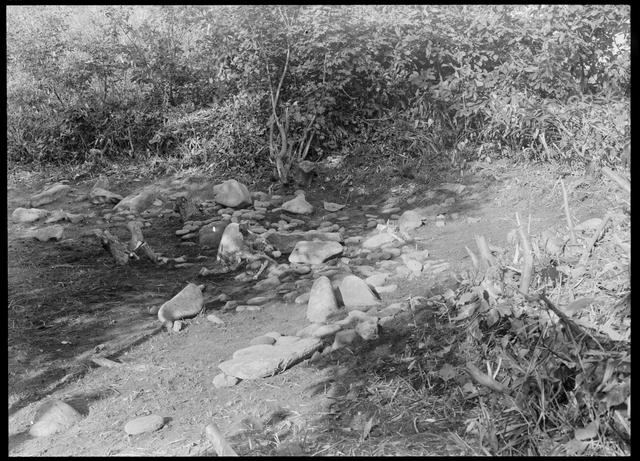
x=262 y=360
x=49 y=195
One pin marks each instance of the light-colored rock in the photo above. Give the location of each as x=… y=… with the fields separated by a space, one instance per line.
x=47 y=233
x=231 y=241
x=215 y=320
x=386 y=288
x=302 y=299
x=344 y=338
x=136 y=203
x=177 y=326
x=298 y=205
x=49 y=195
x=148 y=423
x=210 y=235
x=101 y=195
x=264 y=339
x=27 y=215
x=187 y=303
x=409 y=220
x=52 y=417
x=377 y=279
x=315 y=252
x=322 y=301
x=378 y=240
x=589 y=224
x=355 y=292
x=368 y=329
x=329 y=206
x=224 y=380
x=231 y=193
x=262 y=360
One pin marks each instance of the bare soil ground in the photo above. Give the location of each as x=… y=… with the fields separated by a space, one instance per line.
x=68 y=297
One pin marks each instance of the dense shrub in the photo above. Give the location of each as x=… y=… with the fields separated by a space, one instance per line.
x=279 y=83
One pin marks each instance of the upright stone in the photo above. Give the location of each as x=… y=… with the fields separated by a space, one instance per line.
x=322 y=301
x=355 y=292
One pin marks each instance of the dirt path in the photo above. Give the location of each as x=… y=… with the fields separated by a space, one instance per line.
x=67 y=298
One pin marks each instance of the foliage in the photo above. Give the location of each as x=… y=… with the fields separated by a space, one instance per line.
x=404 y=81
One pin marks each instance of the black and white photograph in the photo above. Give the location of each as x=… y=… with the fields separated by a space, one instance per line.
x=319 y=230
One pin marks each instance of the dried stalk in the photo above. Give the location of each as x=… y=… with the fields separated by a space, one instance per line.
x=594 y=239
x=622 y=182
x=485 y=255
x=220 y=445
x=525 y=278
x=567 y=214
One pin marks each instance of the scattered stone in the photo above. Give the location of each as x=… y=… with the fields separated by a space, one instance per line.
x=187 y=303
x=390 y=210
x=377 y=279
x=392 y=309
x=258 y=300
x=264 y=339
x=27 y=215
x=210 y=235
x=52 y=417
x=386 y=288
x=215 y=320
x=231 y=193
x=253 y=308
x=368 y=329
x=298 y=205
x=49 y=195
x=455 y=188
x=589 y=224
x=177 y=326
x=260 y=361
x=355 y=292
x=344 y=338
x=224 y=380
x=322 y=301
x=136 y=203
x=412 y=264
x=409 y=220
x=378 y=240
x=231 y=241
x=315 y=252
x=144 y=424
x=300 y=269
x=46 y=233
x=302 y=299
x=329 y=206
x=269 y=282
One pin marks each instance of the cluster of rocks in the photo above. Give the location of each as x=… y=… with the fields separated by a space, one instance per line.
x=340 y=279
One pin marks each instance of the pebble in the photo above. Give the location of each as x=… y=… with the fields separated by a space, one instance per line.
x=224 y=380
x=264 y=339
x=177 y=325
x=215 y=319
x=144 y=424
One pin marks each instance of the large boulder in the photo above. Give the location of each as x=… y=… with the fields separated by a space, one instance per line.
x=322 y=301
x=231 y=193
x=49 y=195
x=315 y=252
